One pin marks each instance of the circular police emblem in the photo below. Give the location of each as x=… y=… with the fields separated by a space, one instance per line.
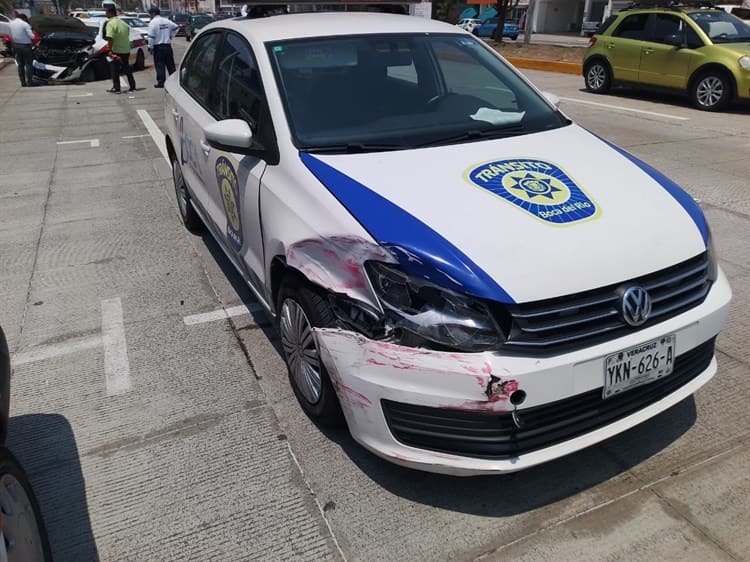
x=538 y=187
x=226 y=178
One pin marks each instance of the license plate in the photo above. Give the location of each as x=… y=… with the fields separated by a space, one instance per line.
x=638 y=365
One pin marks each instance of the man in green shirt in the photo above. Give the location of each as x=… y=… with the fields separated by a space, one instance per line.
x=117 y=34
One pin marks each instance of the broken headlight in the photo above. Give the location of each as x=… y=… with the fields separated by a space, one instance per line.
x=416 y=307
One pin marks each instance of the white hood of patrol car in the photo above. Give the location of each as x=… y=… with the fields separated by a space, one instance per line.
x=544 y=215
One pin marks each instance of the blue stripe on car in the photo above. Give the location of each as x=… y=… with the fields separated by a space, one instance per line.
x=419 y=249
x=680 y=195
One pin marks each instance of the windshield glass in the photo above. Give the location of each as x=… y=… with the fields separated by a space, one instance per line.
x=133 y=22
x=387 y=92
x=180 y=18
x=722 y=27
x=201 y=20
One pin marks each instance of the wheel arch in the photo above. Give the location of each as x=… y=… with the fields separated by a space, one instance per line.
x=596 y=58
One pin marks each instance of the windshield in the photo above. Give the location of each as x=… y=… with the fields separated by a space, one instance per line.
x=180 y=18
x=388 y=92
x=201 y=20
x=133 y=22
x=722 y=27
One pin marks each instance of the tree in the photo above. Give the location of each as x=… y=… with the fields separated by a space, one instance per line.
x=503 y=7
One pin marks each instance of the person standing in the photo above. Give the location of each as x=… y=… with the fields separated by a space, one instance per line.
x=22 y=37
x=117 y=34
x=161 y=31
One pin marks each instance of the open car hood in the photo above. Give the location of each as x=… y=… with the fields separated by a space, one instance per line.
x=60 y=26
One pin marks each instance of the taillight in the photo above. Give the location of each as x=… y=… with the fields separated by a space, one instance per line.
x=592 y=40
x=139 y=43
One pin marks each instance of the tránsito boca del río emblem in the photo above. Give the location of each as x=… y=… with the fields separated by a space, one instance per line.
x=540 y=188
x=226 y=178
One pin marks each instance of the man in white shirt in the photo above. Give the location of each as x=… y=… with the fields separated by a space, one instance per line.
x=160 y=34
x=22 y=37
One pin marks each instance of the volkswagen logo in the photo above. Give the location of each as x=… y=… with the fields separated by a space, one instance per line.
x=635 y=306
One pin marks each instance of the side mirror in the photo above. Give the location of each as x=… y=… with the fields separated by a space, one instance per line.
x=675 y=39
x=231 y=135
x=552 y=98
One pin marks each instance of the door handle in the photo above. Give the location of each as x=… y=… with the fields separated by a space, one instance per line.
x=205 y=147
x=647 y=51
x=175 y=114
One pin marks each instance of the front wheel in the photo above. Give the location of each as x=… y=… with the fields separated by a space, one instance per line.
x=710 y=91
x=597 y=77
x=24 y=536
x=514 y=37
x=188 y=214
x=300 y=309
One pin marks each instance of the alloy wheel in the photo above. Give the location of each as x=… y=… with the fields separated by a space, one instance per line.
x=710 y=91
x=301 y=350
x=20 y=538
x=596 y=76
x=179 y=187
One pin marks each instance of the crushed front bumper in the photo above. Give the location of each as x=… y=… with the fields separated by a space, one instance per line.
x=390 y=393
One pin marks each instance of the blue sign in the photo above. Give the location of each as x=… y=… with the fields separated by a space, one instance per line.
x=538 y=187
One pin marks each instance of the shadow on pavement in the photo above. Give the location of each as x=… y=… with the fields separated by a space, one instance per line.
x=666 y=99
x=46 y=447
x=519 y=492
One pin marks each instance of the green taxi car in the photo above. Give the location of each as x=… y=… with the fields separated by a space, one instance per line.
x=699 y=50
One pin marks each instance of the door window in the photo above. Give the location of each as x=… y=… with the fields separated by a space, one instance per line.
x=632 y=27
x=238 y=93
x=664 y=25
x=195 y=74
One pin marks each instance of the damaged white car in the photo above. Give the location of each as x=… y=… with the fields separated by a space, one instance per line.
x=475 y=283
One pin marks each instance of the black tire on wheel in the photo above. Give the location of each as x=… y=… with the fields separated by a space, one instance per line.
x=597 y=76
x=89 y=74
x=25 y=531
x=325 y=408
x=140 y=60
x=711 y=90
x=188 y=214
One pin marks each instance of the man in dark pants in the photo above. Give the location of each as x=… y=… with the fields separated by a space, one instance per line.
x=22 y=36
x=161 y=31
x=117 y=34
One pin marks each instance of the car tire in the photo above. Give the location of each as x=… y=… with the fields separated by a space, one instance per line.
x=514 y=37
x=23 y=527
x=597 y=76
x=89 y=74
x=188 y=214
x=140 y=60
x=302 y=307
x=711 y=91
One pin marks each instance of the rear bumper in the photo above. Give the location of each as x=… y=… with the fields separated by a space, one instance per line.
x=366 y=373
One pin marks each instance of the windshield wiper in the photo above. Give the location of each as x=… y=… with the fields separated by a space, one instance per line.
x=476 y=134
x=352 y=148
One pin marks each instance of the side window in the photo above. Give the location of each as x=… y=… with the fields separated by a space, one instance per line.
x=632 y=27
x=693 y=40
x=195 y=74
x=238 y=93
x=664 y=25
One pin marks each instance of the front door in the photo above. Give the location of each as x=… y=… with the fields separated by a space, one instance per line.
x=663 y=64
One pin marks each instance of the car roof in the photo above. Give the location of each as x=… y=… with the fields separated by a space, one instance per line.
x=293 y=26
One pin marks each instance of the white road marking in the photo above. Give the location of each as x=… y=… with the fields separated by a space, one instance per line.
x=93 y=142
x=621 y=108
x=221 y=314
x=86 y=95
x=56 y=350
x=155 y=133
x=124 y=83
x=116 y=365
x=136 y=136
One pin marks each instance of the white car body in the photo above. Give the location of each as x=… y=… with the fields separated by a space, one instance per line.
x=325 y=215
x=138 y=43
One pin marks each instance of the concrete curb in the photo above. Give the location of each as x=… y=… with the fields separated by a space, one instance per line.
x=547 y=65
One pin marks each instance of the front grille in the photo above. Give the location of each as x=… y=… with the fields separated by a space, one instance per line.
x=563 y=323
x=494 y=436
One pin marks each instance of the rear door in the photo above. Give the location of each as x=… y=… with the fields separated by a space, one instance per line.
x=190 y=110
x=624 y=47
x=663 y=64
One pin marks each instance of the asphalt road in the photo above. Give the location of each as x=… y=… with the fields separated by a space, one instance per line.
x=156 y=428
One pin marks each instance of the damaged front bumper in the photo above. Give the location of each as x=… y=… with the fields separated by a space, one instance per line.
x=453 y=413
x=50 y=73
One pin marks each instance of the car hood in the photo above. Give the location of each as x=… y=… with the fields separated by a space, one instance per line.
x=519 y=219
x=46 y=25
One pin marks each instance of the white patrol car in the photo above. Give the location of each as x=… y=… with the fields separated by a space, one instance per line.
x=478 y=284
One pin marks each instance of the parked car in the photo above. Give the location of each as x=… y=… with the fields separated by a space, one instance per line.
x=195 y=23
x=450 y=261
x=702 y=52
x=67 y=51
x=469 y=24
x=138 y=40
x=487 y=29
x=181 y=20
x=138 y=25
x=23 y=536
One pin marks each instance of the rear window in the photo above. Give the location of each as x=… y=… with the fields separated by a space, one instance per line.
x=605 y=24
